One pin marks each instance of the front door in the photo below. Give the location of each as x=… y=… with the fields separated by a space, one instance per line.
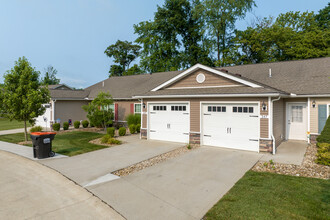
x=297 y=121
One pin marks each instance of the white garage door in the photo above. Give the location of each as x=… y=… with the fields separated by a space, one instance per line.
x=231 y=125
x=169 y=122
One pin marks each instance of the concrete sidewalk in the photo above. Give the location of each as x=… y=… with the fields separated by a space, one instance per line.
x=88 y=167
x=13 y=131
x=30 y=190
x=289 y=152
x=23 y=151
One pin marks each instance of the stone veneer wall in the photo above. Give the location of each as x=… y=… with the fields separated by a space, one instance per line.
x=313 y=138
x=195 y=138
x=144 y=133
x=266 y=146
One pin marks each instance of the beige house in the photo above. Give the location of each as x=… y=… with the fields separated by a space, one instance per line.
x=248 y=107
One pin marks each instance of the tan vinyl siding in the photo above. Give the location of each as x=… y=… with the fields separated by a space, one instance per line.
x=278 y=121
x=124 y=109
x=314 y=121
x=211 y=79
x=70 y=109
x=195 y=110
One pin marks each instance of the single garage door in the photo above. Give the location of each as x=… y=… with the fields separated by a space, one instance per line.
x=169 y=122
x=231 y=125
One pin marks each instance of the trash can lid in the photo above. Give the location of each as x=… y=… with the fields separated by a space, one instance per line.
x=42 y=133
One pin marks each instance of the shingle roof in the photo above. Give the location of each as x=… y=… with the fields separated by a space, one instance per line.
x=301 y=77
x=125 y=87
x=69 y=94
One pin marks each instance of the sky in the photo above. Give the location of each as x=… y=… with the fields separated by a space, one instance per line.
x=71 y=35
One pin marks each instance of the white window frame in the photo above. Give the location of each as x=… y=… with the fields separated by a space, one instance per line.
x=140 y=108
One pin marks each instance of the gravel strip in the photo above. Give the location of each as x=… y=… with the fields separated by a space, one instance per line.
x=308 y=168
x=152 y=161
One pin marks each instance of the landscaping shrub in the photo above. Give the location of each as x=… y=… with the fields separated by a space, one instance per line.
x=111 y=132
x=35 y=129
x=56 y=126
x=65 y=125
x=325 y=134
x=122 y=131
x=118 y=125
x=133 y=119
x=138 y=128
x=85 y=124
x=107 y=139
x=323 y=154
x=91 y=124
x=132 y=129
x=76 y=124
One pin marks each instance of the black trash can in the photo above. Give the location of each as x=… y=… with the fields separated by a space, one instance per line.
x=42 y=144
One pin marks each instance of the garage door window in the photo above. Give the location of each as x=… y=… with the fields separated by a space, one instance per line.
x=178 y=108
x=242 y=109
x=159 y=107
x=216 y=108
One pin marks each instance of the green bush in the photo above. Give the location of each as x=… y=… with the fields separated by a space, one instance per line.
x=122 y=131
x=118 y=125
x=325 y=134
x=35 y=129
x=56 y=126
x=85 y=124
x=76 y=124
x=65 y=125
x=138 y=128
x=111 y=131
x=132 y=129
x=91 y=124
x=133 y=119
x=323 y=154
x=107 y=139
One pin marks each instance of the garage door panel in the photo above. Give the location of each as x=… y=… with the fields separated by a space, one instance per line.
x=169 y=124
x=237 y=127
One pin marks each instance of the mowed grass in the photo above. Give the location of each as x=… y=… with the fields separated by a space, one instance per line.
x=69 y=143
x=6 y=124
x=274 y=196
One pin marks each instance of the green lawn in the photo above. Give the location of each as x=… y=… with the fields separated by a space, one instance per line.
x=6 y=124
x=274 y=196
x=69 y=143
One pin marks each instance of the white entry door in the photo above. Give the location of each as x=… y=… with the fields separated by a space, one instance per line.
x=169 y=122
x=229 y=125
x=297 y=121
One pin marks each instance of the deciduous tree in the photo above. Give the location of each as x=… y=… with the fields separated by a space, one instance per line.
x=50 y=76
x=23 y=95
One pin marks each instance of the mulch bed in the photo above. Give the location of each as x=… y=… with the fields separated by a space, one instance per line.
x=152 y=161
x=308 y=168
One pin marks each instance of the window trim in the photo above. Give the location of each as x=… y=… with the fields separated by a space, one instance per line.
x=135 y=108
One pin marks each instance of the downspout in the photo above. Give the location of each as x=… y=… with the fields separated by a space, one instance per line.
x=272 y=130
x=141 y=116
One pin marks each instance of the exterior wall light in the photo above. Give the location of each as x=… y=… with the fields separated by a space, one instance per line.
x=264 y=106
x=144 y=105
x=313 y=104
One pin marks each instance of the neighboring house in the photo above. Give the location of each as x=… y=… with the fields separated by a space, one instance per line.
x=249 y=107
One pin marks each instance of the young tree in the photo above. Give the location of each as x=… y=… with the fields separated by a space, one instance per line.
x=23 y=95
x=123 y=53
x=98 y=111
x=220 y=17
x=50 y=76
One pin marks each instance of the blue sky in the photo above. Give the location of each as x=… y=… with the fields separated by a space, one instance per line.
x=71 y=35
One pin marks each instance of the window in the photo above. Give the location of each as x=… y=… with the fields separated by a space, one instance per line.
x=178 y=108
x=137 y=108
x=297 y=114
x=216 y=108
x=242 y=109
x=158 y=108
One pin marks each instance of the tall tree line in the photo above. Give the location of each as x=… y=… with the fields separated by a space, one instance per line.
x=186 y=32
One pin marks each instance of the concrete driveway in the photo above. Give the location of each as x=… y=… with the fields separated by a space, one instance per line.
x=185 y=187
x=88 y=167
x=30 y=190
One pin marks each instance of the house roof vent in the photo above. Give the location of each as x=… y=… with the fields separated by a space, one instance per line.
x=270 y=73
x=102 y=83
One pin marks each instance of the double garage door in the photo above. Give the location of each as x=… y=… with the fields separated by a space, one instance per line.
x=230 y=125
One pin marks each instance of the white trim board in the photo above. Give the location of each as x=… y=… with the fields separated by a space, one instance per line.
x=212 y=95
x=200 y=66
